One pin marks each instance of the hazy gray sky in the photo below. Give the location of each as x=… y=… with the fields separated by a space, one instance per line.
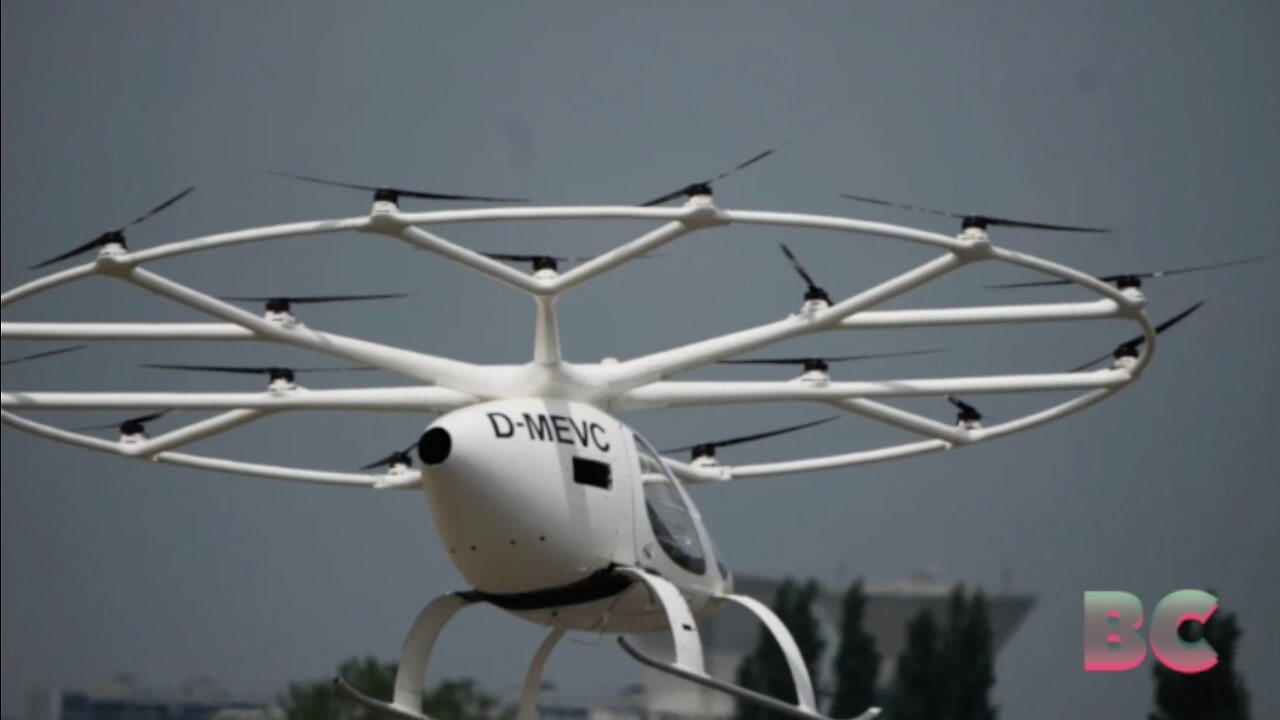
x=1156 y=118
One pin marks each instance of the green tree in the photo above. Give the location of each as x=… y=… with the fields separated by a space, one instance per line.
x=951 y=676
x=968 y=658
x=765 y=669
x=857 y=661
x=920 y=688
x=451 y=699
x=1216 y=694
x=951 y=644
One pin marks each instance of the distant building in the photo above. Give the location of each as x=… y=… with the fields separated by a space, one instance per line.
x=123 y=698
x=732 y=634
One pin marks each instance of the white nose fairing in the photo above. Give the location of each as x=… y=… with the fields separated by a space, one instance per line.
x=505 y=502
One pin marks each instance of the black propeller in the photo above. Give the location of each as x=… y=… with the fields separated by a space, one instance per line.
x=114 y=236
x=130 y=426
x=1129 y=348
x=393 y=194
x=820 y=364
x=275 y=372
x=399 y=457
x=45 y=354
x=981 y=222
x=965 y=413
x=540 y=262
x=283 y=303
x=814 y=291
x=708 y=449
x=548 y=262
x=1127 y=280
x=704 y=187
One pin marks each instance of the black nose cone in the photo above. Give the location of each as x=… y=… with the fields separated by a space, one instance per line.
x=434 y=446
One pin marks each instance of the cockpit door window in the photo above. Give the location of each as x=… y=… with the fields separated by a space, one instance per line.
x=669 y=516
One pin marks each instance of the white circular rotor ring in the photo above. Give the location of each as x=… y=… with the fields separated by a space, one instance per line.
x=635 y=384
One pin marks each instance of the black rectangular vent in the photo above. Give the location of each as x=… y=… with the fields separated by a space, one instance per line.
x=592 y=472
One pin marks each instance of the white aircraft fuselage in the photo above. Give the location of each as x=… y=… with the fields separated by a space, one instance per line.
x=537 y=501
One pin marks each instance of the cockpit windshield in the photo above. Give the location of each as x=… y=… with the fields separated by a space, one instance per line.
x=669 y=516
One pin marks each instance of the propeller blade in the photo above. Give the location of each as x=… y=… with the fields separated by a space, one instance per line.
x=531 y=257
x=401 y=192
x=140 y=420
x=827 y=359
x=1039 y=283
x=1005 y=222
x=45 y=354
x=1141 y=275
x=1198 y=268
x=392 y=458
x=899 y=206
x=79 y=250
x=973 y=219
x=967 y=413
x=750 y=438
x=116 y=235
x=157 y=209
x=795 y=265
x=669 y=196
x=1170 y=322
x=382 y=462
x=313 y=299
x=1091 y=363
x=211 y=368
x=704 y=185
x=1136 y=342
x=523 y=257
x=744 y=164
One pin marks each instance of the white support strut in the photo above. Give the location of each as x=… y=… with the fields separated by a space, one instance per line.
x=533 y=677
x=688 y=652
x=441 y=385
x=414 y=657
x=685 y=642
x=790 y=651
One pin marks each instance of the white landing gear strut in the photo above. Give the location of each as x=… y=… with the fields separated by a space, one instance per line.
x=412 y=670
x=688 y=664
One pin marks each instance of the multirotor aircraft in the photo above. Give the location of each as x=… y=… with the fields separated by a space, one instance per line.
x=549 y=506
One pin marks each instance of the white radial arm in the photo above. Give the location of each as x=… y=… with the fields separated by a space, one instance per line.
x=241 y=409
x=424 y=368
x=393 y=399
x=238 y=237
x=942 y=441
x=866 y=320
x=274 y=472
x=983 y=315
x=664 y=364
x=681 y=221
x=175 y=249
x=91 y=331
x=676 y=394
x=470 y=259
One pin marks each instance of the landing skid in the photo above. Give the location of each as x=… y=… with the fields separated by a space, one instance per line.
x=414 y=656
x=347 y=692
x=688 y=664
x=729 y=688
